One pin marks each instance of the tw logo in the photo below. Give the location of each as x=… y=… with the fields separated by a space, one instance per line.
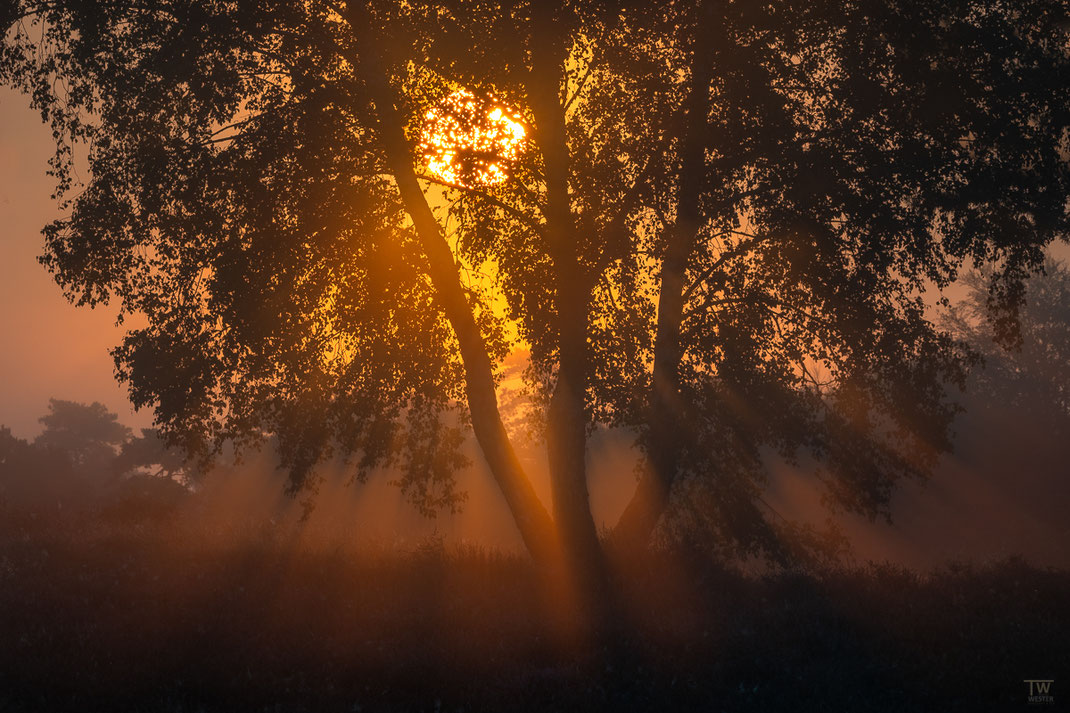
x=1040 y=690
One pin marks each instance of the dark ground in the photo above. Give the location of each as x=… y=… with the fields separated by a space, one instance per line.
x=152 y=616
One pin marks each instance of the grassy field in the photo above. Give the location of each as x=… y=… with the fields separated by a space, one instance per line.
x=158 y=616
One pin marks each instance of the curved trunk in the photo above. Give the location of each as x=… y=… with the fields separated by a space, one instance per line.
x=531 y=517
x=664 y=422
x=651 y=497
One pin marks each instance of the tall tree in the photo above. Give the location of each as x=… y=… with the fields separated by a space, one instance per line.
x=836 y=163
x=719 y=234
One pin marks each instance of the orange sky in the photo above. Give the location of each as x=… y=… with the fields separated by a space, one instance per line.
x=50 y=348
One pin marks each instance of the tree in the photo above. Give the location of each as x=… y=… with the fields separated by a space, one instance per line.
x=86 y=459
x=1033 y=375
x=720 y=233
x=69 y=465
x=89 y=435
x=34 y=478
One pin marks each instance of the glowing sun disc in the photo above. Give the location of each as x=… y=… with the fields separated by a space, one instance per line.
x=467 y=140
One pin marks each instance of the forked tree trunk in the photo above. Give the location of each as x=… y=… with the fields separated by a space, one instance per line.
x=571 y=537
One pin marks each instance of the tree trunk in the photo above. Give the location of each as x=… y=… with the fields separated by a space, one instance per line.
x=533 y=521
x=567 y=418
x=567 y=450
x=665 y=422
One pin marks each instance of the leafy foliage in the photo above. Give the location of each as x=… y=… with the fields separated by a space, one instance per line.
x=234 y=205
x=1035 y=374
x=744 y=205
x=90 y=436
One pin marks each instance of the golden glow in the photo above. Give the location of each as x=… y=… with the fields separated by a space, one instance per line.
x=469 y=141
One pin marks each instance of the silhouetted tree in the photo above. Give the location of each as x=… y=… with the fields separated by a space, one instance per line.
x=719 y=235
x=846 y=159
x=71 y=465
x=89 y=435
x=85 y=460
x=1034 y=373
x=35 y=479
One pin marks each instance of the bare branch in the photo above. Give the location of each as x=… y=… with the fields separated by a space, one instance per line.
x=579 y=86
x=741 y=248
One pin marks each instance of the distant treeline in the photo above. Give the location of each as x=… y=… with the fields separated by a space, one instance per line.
x=86 y=459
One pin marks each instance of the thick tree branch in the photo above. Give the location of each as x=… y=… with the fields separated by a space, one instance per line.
x=738 y=250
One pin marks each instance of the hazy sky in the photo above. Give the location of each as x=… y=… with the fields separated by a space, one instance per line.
x=49 y=347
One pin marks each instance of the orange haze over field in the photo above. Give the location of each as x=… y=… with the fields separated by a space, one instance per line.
x=51 y=349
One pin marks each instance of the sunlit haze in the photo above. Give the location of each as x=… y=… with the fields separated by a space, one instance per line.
x=525 y=357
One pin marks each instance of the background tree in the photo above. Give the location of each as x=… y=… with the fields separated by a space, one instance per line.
x=1034 y=374
x=35 y=479
x=75 y=463
x=89 y=435
x=719 y=235
x=149 y=454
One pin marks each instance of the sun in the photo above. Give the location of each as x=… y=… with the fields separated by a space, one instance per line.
x=471 y=141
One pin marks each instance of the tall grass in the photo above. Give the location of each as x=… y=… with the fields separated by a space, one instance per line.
x=168 y=615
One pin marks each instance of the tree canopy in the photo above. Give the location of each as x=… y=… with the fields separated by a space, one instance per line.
x=1034 y=376
x=723 y=231
x=85 y=459
x=89 y=435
